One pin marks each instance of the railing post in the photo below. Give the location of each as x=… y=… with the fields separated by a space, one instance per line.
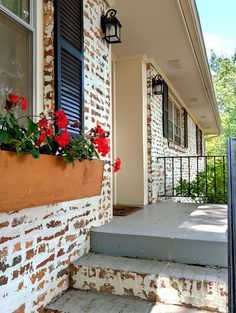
x=232 y=225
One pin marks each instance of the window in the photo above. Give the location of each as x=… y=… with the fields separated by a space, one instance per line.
x=165 y=109
x=185 y=128
x=69 y=60
x=199 y=149
x=16 y=53
x=174 y=122
x=19 y=7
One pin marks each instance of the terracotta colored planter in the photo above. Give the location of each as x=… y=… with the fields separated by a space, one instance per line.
x=26 y=182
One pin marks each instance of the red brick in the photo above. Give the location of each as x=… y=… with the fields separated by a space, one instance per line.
x=38 y=276
x=17 y=247
x=20 y=286
x=5 y=239
x=16 y=260
x=21 y=309
x=54 y=224
x=4 y=224
x=71 y=237
x=29 y=244
x=30 y=254
x=51 y=258
x=3 y=280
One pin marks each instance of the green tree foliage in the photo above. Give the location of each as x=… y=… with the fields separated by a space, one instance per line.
x=224 y=80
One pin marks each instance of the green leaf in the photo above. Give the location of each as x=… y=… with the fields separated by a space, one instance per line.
x=35 y=153
x=32 y=127
x=5 y=137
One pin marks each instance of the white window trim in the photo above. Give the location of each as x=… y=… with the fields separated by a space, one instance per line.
x=38 y=63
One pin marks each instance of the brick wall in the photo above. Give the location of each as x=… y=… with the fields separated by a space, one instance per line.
x=38 y=244
x=158 y=146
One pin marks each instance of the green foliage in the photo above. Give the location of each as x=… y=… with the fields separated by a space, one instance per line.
x=13 y=137
x=224 y=80
x=46 y=136
x=209 y=186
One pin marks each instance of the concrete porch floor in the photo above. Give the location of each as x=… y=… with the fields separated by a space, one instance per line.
x=168 y=231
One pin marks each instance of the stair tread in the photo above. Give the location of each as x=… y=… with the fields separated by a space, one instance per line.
x=75 y=301
x=153 y=267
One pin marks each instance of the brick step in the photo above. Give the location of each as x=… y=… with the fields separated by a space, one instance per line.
x=202 y=288
x=75 y=301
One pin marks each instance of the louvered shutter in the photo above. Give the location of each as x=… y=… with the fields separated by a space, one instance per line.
x=200 y=142
x=185 y=129
x=69 y=59
x=197 y=140
x=165 y=109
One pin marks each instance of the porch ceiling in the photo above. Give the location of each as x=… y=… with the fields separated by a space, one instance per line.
x=169 y=33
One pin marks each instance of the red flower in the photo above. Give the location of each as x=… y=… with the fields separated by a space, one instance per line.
x=101 y=145
x=75 y=124
x=63 y=139
x=117 y=165
x=23 y=103
x=43 y=123
x=13 y=98
x=99 y=130
x=41 y=139
x=49 y=131
x=61 y=119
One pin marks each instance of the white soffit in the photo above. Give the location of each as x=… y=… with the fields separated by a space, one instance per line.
x=169 y=32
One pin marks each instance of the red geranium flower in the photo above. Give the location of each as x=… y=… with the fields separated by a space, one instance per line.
x=41 y=139
x=13 y=98
x=63 y=139
x=101 y=145
x=61 y=119
x=43 y=123
x=99 y=130
x=117 y=165
x=23 y=103
x=49 y=131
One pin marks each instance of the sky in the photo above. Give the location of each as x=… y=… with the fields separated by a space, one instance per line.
x=218 y=21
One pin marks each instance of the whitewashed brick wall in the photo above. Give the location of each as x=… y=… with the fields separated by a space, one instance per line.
x=37 y=245
x=158 y=146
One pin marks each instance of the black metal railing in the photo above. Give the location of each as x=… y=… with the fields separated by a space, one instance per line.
x=232 y=224
x=201 y=178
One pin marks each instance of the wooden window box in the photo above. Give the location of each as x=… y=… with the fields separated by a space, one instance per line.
x=26 y=182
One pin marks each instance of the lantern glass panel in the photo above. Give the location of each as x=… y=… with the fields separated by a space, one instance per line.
x=111 y=30
x=157 y=89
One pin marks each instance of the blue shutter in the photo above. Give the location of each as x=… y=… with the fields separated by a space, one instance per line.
x=69 y=60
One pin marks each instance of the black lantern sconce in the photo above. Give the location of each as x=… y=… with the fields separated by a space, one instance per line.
x=111 y=27
x=157 y=85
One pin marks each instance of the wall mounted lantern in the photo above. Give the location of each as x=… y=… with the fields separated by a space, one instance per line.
x=157 y=85
x=111 y=27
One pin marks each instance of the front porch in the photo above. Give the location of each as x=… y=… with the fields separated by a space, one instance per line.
x=168 y=231
x=153 y=255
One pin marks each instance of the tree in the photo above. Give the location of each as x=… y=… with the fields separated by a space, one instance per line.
x=224 y=80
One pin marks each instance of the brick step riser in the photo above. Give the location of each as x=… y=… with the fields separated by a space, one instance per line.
x=189 y=293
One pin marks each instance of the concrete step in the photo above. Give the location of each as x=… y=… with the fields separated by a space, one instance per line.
x=182 y=233
x=75 y=301
x=202 y=288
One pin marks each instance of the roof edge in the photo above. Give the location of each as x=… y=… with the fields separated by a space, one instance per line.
x=191 y=19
